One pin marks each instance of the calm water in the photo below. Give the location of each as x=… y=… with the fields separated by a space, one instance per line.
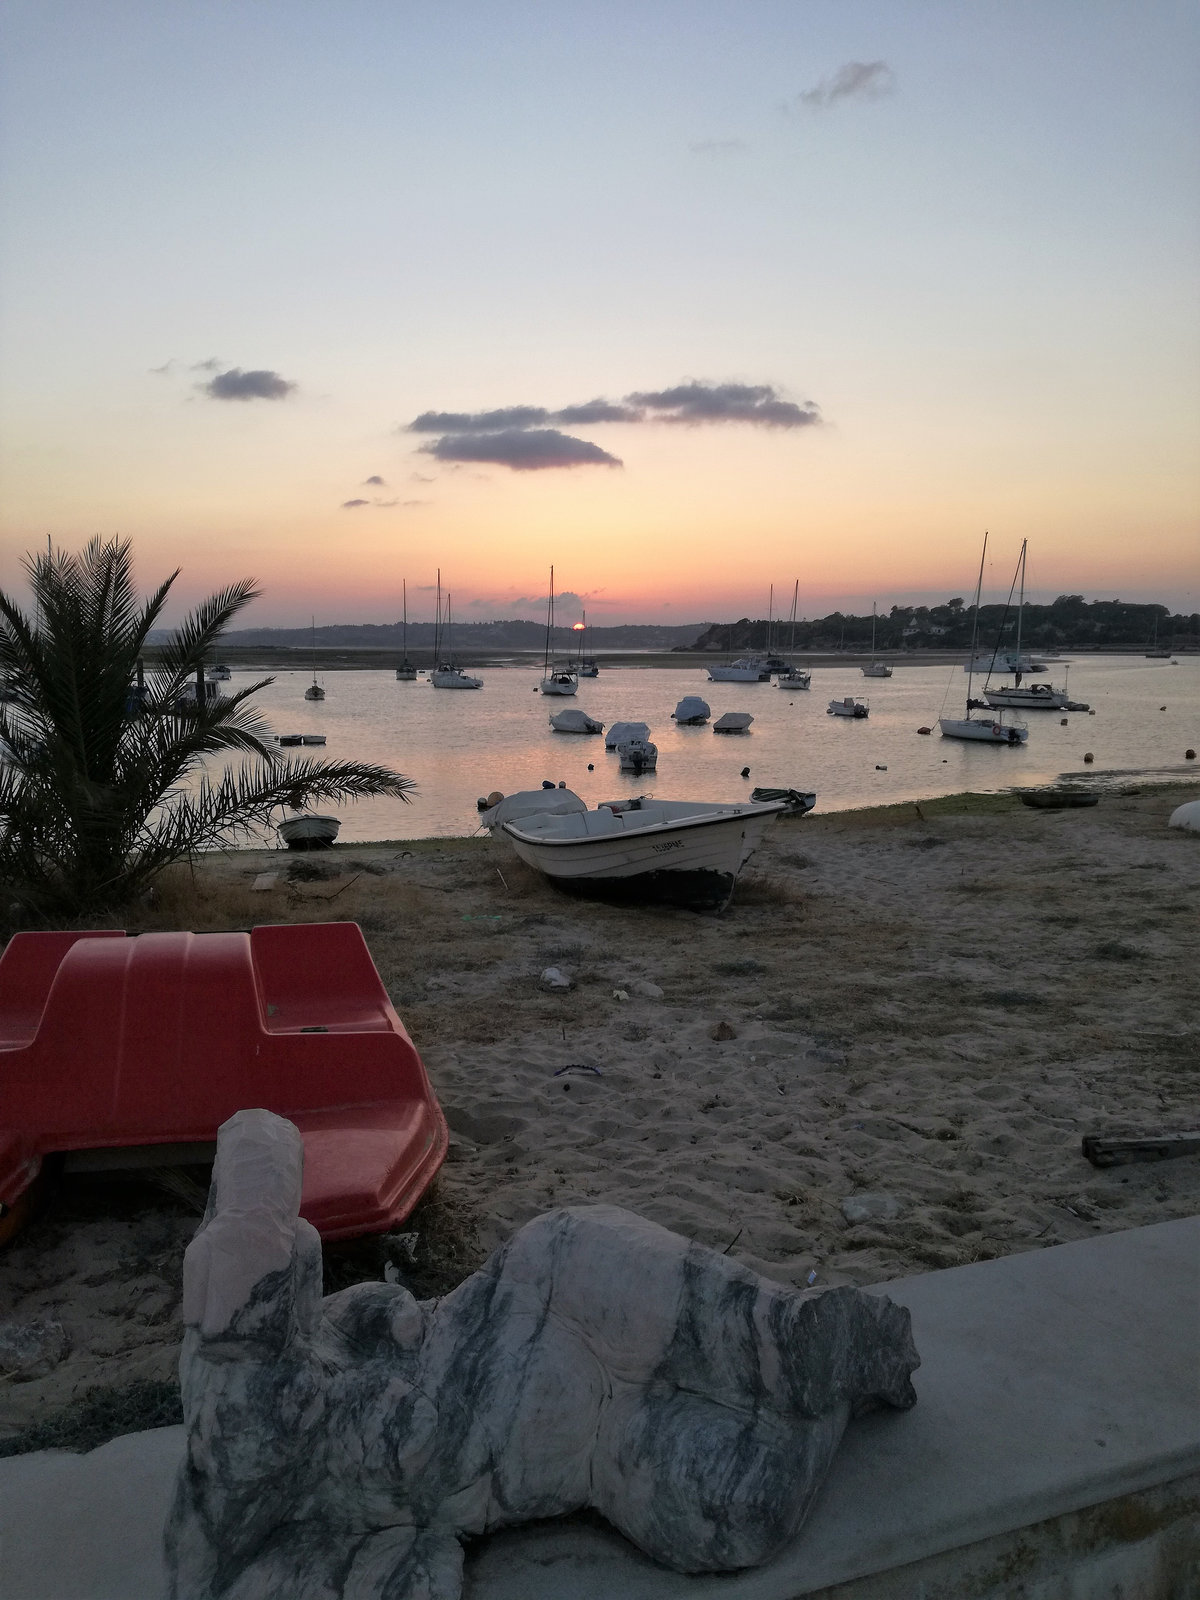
x=458 y=745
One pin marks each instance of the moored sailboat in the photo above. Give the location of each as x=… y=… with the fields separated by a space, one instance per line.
x=556 y=678
x=405 y=672
x=990 y=729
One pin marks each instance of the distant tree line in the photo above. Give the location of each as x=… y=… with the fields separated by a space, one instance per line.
x=1071 y=621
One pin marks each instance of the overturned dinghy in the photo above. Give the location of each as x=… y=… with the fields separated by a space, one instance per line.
x=796 y=802
x=575 y=721
x=637 y=755
x=692 y=711
x=309 y=832
x=621 y=732
x=688 y=852
x=733 y=722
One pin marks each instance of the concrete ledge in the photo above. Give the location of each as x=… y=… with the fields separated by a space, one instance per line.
x=1055 y=1449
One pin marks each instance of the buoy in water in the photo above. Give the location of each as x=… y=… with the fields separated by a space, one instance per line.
x=745 y=772
x=924 y=730
x=591 y=766
x=1088 y=757
x=1189 y=755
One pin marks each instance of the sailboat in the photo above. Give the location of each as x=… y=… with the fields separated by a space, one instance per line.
x=1028 y=696
x=795 y=677
x=555 y=679
x=445 y=675
x=987 y=729
x=314 y=690
x=405 y=672
x=585 y=667
x=876 y=669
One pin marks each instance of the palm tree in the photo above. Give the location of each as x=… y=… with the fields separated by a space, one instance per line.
x=102 y=778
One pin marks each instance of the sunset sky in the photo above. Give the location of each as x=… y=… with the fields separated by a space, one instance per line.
x=688 y=297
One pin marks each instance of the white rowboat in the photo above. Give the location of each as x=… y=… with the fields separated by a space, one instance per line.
x=689 y=852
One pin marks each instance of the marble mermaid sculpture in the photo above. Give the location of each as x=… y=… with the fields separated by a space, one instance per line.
x=338 y=1449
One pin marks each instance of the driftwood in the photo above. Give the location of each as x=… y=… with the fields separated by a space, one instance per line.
x=1102 y=1152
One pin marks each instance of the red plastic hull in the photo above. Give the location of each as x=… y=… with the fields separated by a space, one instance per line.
x=109 y=1041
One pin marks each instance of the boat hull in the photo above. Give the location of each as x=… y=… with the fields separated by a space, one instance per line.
x=794 y=680
x=984 y=732
x=1036 y=699
x=451 y=678
x=309 y=833
x=735 y=674
x=693 y=859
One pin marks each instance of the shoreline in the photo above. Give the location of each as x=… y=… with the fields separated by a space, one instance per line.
x=373 y=658
x=881 y=1059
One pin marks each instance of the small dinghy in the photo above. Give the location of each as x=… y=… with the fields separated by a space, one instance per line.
x=290 y=738
x=619 y=732
x=733 y=722
x=575 y=721
x=796 y=802
x=1058 y=799
x=685 y=852
x=309 y=832
x=692 y=711
x=637 y=755
x=312 y=738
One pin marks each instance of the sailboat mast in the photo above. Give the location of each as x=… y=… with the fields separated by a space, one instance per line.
x=795 y=600
x=1020 y=611
x=549 y=627
x=975 y=627
x=404 y=614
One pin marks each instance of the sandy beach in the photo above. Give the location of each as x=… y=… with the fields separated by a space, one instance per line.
x=925 y=1005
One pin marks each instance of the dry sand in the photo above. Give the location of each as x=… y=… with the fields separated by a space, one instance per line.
x=927 y=1004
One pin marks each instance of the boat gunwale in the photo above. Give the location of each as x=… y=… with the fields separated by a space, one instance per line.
x=708 y=819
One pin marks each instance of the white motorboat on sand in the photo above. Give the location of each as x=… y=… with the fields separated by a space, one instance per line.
x=309 y=832
x=687 y=852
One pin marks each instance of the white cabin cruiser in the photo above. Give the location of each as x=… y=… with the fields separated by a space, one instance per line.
x=688 y=852
x=848 y=706
x=218 y=674
x=748 y=669
x=794 y=678
x=450 y=677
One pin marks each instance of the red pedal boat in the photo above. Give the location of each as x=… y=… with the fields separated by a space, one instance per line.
x=108 y=1041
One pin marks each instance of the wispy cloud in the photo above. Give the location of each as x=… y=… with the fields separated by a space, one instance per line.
x=351 y=505
x=718 y=149
x=374 y=482
x=856 y=80
x=698 y=403
x=522 y=449
x=257 y=385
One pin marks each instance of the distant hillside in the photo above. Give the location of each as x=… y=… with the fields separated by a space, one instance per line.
x=469 y=637
x=1070 y=623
